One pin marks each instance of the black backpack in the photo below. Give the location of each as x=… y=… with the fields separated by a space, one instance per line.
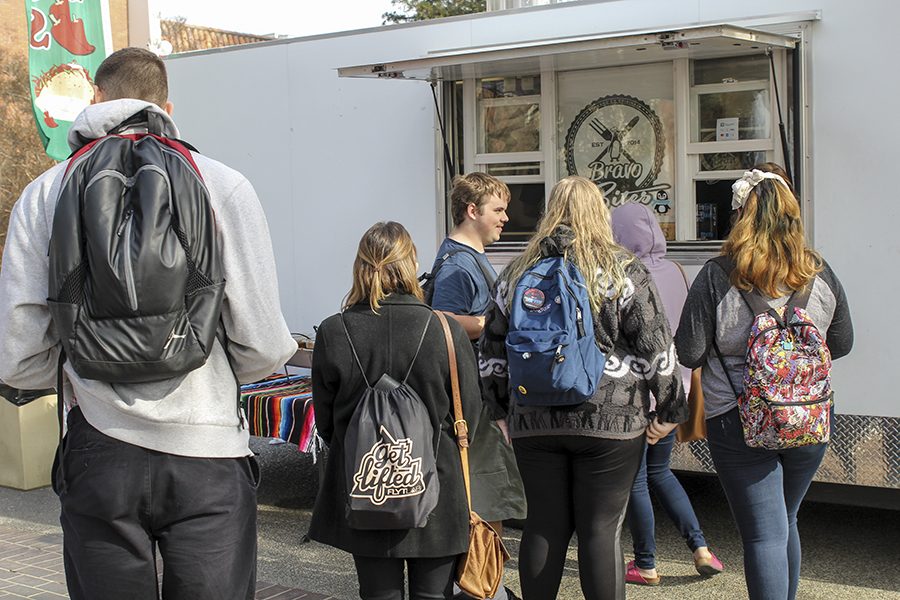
x=427 y=279
x=136 y=277
x=389 y=454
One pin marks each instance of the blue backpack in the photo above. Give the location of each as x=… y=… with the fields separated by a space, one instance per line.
x=553 y=358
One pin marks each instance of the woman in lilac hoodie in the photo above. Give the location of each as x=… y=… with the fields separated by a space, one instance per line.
x=636 y=228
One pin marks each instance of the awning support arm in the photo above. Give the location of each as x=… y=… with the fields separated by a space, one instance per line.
x=781 y=130
x=437 y=110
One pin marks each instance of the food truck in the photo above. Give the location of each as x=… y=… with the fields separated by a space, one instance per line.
x=658 y=102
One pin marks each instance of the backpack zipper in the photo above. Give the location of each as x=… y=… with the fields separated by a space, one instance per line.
x=761 y=332
x=126 y=228
x=172 y=336
x=806 y=403
x=125 y=218
x=558 y=358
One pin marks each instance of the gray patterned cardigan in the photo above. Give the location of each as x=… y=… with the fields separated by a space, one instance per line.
x=633 y=332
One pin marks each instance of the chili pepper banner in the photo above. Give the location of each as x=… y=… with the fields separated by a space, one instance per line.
x=68 y=39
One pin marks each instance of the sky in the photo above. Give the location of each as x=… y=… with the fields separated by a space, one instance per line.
x=282 y=17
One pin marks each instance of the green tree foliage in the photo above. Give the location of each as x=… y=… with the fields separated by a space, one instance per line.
x=22 y=156
x=420 y=10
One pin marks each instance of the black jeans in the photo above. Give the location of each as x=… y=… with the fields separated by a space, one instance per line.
x=121 y=502
x=382 y=578
x=575 y=484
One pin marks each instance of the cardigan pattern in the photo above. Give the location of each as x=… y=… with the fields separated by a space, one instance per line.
x=633 y=332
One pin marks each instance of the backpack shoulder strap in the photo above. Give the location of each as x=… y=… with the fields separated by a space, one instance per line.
x=419 y=347
x=489 y=277
x=359 y=363
x=353 y=350
x=758 y=303
x=724 y=368
x=800 y=298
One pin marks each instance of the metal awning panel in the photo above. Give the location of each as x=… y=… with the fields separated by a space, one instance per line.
x=572 y=53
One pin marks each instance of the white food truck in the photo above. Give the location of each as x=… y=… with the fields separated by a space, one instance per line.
x=659 y=102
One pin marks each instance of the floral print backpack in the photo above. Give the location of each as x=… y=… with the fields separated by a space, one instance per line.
x=787 y=397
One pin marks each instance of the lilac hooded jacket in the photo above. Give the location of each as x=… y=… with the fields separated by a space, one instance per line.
x=637 y=230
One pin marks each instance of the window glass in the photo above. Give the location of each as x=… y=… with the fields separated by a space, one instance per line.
x=509 y=114
x=526 y=205
x=730 y=70
x=508 y=87
x=731 y=116
x=714 y=214
x=617 y=128
x=509 y=169
x=731 y=161
x=509 y=128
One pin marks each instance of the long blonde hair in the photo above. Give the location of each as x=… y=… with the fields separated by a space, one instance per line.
x=577 y=203
x=385 y=263
x=767 y=243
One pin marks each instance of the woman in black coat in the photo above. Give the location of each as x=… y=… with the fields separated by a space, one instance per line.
x=385 y=317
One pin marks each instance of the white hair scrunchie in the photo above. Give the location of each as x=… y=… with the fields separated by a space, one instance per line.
x=741 y=188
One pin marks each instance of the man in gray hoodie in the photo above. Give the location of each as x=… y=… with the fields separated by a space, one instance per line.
x=164 y=464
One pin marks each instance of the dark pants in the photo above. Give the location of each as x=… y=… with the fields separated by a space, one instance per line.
x=764 y=489
x=121 y=502
x=667 y=489
x=382 y=578
x=575 y=484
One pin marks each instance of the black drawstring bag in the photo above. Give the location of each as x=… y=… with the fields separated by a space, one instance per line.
x=389 y=459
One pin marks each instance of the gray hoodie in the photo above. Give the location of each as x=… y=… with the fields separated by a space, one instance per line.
x=636 y=229
x=191 y=415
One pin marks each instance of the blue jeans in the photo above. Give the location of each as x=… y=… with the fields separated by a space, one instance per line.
x=667 y=489
x=764 y=489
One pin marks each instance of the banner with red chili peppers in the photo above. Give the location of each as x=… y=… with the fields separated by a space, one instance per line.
x=68 y=39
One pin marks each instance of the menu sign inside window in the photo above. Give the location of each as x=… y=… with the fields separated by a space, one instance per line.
x=618 y=142
x=616 y=126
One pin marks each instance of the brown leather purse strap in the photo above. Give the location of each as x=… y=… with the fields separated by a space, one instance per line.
x=460 y=427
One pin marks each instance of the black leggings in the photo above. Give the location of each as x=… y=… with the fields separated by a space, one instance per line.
x=575 y=484
x=382 y=578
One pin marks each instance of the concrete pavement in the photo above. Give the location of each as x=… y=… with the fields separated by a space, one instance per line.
x=850 y=553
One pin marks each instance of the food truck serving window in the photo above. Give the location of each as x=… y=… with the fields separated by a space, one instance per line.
x=667 y=119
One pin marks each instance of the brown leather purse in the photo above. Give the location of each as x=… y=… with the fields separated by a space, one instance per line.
x=695 y=427
x=480 y=570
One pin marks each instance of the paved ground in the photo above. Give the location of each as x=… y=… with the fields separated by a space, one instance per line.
x=849 y=553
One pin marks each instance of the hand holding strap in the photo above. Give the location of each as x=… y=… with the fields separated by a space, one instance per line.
x=460 y=427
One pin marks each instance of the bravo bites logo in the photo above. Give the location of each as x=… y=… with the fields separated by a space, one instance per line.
x=388 y=470
x=618 y=143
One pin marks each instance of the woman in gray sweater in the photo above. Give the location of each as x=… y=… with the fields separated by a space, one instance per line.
x=765 y=257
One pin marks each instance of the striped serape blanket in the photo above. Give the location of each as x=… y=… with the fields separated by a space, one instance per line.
x=280 y=406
